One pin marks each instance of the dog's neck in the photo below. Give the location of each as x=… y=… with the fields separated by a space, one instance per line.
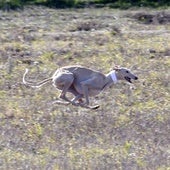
x=111 y=78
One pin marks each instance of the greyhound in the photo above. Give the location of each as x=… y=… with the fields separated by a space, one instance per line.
x=83 y=82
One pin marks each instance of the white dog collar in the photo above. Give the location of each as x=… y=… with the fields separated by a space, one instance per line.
x=113 y=76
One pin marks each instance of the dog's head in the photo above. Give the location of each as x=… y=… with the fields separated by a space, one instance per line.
x=125 y=74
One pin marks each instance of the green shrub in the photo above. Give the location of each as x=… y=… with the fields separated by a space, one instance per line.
x=123 y=4
x=11 y=4
x=61 y=3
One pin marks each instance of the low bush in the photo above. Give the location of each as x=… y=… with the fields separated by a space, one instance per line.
x=123 y=4
x=11 y=4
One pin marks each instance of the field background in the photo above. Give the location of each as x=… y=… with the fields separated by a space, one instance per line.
x=131 y=129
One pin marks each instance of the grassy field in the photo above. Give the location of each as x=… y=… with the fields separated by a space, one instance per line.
x=131 y=129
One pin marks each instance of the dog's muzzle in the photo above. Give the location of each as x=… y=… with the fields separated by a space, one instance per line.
x=129 y=79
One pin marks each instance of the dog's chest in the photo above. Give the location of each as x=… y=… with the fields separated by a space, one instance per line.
x=94 y=85
x=94 y=92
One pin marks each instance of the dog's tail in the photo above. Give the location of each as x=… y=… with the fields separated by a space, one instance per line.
x=38 y=84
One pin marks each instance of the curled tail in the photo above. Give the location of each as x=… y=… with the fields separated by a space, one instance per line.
x=38 y=84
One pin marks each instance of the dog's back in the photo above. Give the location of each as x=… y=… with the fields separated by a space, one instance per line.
x=82 y=73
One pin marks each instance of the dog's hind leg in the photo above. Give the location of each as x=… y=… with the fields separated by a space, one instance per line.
x=63 y=81
x=77 y=98
x=64 y=91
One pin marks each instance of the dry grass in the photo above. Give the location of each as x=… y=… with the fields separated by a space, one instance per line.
x=130 y=130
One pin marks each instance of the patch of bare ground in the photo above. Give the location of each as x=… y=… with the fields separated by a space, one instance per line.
x=152 y=18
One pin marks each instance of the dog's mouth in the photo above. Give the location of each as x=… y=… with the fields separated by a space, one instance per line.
x=128 y=79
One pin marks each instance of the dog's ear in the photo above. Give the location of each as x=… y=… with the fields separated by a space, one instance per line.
x=116 y=68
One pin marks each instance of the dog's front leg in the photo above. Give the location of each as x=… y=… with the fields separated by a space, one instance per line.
x=85 y=87
x=86 y=94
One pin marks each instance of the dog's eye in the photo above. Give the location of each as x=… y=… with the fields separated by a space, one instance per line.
x=127 y=71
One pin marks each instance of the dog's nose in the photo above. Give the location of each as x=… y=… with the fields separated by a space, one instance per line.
x=136 y=78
